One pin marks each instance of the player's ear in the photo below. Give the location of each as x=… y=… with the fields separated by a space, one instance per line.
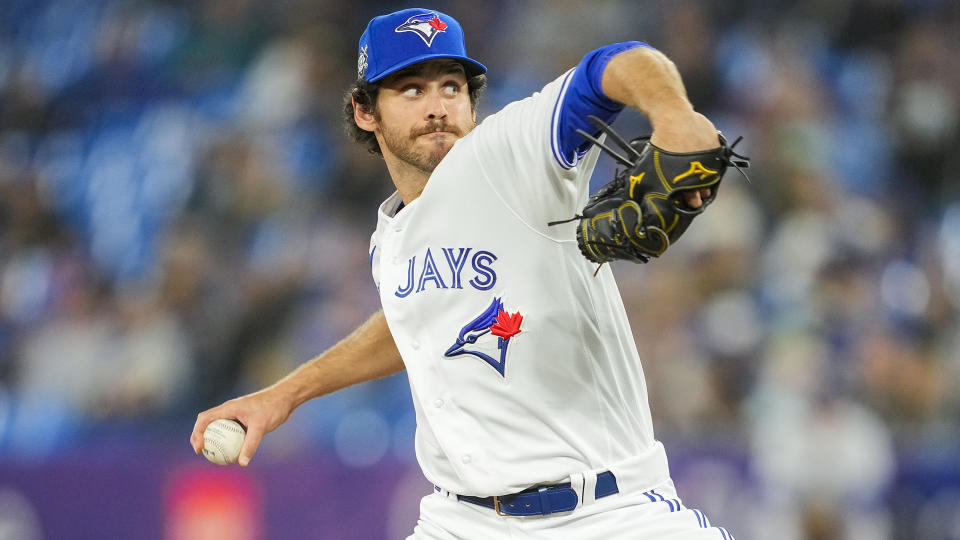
x=365 y=119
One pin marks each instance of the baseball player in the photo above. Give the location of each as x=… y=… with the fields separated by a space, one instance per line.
x=532 y=413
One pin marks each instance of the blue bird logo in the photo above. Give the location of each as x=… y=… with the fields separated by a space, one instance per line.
x=425 y=25
x=495 y=321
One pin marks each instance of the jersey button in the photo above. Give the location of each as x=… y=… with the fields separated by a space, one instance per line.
x=398 y=229
x=415 y=344
x=466 y=459
x=395 y=260
x=438 y=403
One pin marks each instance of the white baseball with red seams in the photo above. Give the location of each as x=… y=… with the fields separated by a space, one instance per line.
x=222 y=441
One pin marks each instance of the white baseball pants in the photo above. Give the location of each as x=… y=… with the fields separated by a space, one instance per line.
x=656 y=514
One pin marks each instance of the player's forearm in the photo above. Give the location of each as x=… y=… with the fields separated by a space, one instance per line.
x=366 y=354
x=646 y=80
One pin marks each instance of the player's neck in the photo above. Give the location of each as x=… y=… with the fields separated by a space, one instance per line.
x=408 y=179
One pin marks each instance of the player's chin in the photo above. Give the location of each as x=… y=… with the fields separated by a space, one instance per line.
x=433 y=156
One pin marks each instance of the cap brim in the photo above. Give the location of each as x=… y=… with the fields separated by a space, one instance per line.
x=472 y=67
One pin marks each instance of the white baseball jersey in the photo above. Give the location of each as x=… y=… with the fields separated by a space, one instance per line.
x=521 y=361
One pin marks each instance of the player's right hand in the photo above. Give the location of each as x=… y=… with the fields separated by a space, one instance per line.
x=259 y=413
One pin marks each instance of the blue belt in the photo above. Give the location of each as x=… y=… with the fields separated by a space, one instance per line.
x=543 y=500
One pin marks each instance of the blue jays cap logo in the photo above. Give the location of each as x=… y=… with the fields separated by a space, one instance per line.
x=425 y=25
x=495 y=321
x=386 y=45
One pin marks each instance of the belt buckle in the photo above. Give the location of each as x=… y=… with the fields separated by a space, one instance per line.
x=496 y=506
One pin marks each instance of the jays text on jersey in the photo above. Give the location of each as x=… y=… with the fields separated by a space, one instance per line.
x=521 y=361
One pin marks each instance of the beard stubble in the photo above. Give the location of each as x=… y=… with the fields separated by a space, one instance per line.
x=404 y=145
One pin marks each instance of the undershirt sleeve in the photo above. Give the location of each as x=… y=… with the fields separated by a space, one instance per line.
x=584 y=97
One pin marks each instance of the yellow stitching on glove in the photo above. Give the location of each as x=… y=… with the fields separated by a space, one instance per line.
x=656 y=165
x=663 y=222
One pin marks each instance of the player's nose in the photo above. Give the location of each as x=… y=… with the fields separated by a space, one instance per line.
x=436 y=108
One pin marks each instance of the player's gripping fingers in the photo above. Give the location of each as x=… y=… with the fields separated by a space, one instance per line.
x=229 y=410
x=203 y=420
x=251 y=442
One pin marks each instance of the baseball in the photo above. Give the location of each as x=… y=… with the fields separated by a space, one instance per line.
x=222 y=441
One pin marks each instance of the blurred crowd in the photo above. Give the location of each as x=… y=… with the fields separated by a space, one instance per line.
x=182 y=221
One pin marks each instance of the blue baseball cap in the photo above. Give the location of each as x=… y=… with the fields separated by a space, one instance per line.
x=395 y=41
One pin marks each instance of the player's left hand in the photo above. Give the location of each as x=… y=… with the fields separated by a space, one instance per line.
x=648 y=206
x=686 y=131
x=695 y=198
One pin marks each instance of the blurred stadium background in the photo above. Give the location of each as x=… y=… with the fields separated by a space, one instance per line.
x=181 y=221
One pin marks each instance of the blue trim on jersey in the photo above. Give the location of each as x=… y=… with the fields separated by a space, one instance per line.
x=699 y=519
x=554 y=122
x=580 y=96
x=372 y=251
x=669 y=503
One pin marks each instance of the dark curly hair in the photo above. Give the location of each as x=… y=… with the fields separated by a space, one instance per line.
x=365 y=93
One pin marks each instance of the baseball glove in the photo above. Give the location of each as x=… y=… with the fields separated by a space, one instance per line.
x=642 y=212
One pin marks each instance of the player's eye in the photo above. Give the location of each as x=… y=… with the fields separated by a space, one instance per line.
x=411 y=91
x=451 y=89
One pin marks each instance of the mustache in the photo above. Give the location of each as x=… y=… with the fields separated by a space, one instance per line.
x=434 y=126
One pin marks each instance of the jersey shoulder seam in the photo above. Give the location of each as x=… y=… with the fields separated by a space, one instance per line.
x=508 y=206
